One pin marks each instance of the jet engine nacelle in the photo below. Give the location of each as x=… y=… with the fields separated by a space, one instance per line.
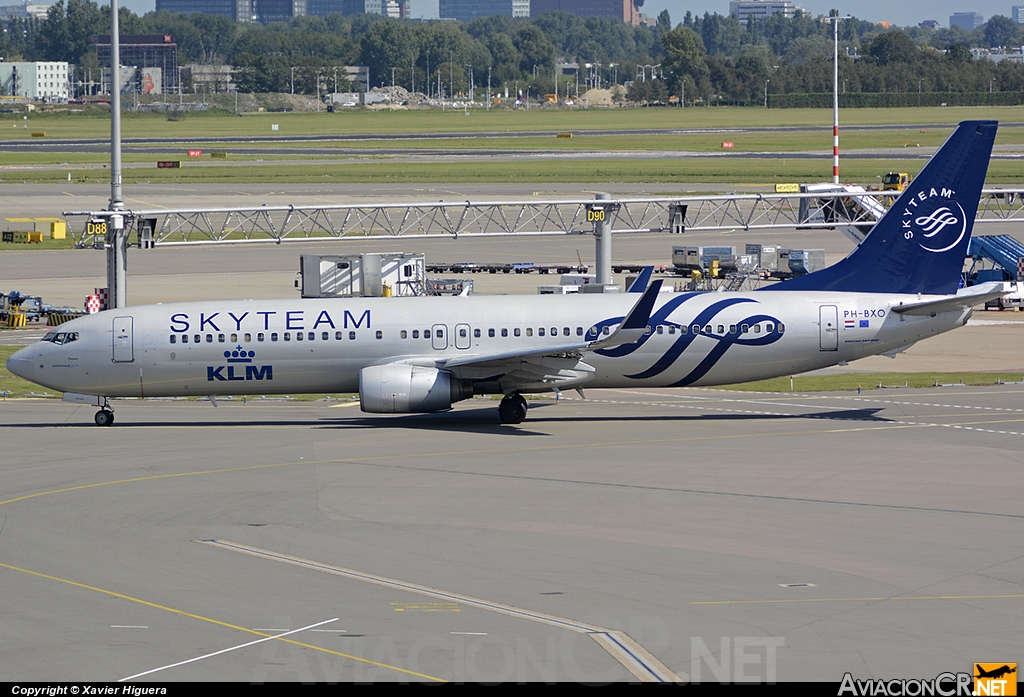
x=408 y=389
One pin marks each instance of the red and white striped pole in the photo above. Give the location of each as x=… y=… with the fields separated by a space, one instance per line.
x=835 y=97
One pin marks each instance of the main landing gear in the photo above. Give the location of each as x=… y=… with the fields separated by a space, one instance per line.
x=105 y=416
x=512 y=409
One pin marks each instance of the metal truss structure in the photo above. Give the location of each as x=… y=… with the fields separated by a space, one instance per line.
x=419 y=219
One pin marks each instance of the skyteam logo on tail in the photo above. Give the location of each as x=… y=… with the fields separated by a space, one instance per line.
x=937 y=225
x=242 y=361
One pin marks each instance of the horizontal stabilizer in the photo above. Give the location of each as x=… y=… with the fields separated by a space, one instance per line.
x=968 y=297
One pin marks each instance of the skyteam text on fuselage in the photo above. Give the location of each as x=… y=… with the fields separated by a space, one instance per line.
x=405 y=355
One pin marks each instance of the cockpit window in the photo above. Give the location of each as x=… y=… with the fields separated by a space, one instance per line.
x=60 y=338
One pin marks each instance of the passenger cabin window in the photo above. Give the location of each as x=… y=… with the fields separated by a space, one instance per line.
x=198 y=339
x=415 y=333
x=380 y=334
x=490 y=333
x=517 y=331
x=259 y=337
x=476 y=333
x=174 y=339
x=184 y=338
x=780 y=327
x=298 y=336
x=273 y=336
x=529 y=331
x=404 y=334
x=209 y=338
x=287 y=336
x=338 y=336
x=248 y=338
x=540 y=331
x=324 y=336
x=351 y=336
x=504 y=332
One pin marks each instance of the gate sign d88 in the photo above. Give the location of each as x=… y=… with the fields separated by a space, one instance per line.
x=97 y=226
x=595 y=215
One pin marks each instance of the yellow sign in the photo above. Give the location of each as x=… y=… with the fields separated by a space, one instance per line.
x=96 y=227
x=595 y=215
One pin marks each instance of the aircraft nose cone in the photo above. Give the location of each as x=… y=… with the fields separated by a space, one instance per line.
x=22 y=363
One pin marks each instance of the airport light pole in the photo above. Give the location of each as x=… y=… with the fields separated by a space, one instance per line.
x=766 y=93
x=117 y=239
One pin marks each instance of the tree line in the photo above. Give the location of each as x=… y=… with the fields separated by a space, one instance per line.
x=702 y=59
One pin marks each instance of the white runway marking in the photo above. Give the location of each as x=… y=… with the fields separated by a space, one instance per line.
x=631 y=655
x=233 y=648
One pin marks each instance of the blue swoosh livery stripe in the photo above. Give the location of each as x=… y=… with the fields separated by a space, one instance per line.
x=684 y=341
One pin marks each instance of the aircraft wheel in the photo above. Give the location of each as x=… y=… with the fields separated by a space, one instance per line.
x=512 y=409
x=104 y=417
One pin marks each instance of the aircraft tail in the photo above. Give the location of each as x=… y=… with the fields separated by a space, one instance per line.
x=919 y=245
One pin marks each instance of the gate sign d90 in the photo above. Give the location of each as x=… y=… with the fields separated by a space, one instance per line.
x=595 y=215
x=97 y=226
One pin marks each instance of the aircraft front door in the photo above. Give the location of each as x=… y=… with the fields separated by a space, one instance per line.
x=439 y=337
x=124 y=344
x=828 y=327
x=462 y=340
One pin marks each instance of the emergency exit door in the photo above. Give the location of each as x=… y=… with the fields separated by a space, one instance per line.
x=124 y=344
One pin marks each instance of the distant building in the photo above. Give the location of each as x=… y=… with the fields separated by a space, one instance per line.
x=46 y=81
x=625 y=10
x=29 y=9
x=397 y=9
x=760 y=10
x=270 y=11
x=144 y=51
x=220 y=7
x=966 y=20
x=1017 y=14
x=467 y=10
x=929 y=24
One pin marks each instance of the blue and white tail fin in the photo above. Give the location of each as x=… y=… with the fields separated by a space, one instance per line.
x=920 y=244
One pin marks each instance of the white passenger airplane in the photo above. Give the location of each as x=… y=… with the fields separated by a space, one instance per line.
x=406 y=355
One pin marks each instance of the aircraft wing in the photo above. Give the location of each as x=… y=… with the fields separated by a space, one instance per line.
x=633 y=326
x=967 y=297
x=551 y=367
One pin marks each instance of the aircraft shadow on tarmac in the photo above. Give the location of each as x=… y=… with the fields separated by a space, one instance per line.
x=483 y=420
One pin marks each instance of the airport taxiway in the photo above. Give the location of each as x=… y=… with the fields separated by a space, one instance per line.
x=695 y=534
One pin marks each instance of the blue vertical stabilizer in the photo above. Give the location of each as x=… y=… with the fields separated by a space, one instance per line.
x=920 y=244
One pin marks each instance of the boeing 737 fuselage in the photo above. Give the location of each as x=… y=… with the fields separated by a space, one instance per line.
x=407 y=355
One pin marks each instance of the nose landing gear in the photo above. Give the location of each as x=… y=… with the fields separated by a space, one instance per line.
x=512 y=409
x=105 y=416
